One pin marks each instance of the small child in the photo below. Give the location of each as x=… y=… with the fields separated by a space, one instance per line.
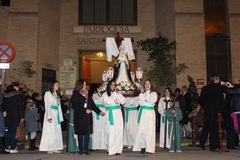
x=31 y=123
x=174 y=114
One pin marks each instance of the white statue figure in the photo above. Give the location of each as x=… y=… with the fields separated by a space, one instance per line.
x=121 y=68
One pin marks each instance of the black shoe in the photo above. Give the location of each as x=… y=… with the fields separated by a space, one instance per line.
x=202 y=147
x=214 y=150
x=4 y=152
x=143 y=151
x=80 y=152
x=86 y=153
x=117 y=154
x=231 y=147
x=31 y=149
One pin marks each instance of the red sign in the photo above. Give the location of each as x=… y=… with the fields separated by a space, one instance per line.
x=7 y=52
x=200 y=81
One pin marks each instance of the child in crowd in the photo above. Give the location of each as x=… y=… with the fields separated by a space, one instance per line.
x=31 y=123
x=174 y=115
x=40 y=106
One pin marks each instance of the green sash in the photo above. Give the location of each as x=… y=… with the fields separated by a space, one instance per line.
x=141 y=109
x=163 y=119
x=127 y=112
x=99 y=106
x=110 y=113
x=56 y=108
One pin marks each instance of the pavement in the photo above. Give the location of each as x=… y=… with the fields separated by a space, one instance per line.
x=188 y=153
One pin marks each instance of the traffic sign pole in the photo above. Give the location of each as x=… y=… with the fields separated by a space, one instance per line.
x=7 y=53
x=3 y=78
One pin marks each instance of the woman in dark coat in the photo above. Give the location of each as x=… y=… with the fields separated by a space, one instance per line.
x=82 y=104
x=13 y=105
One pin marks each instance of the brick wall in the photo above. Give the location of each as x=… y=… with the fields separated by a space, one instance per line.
x=234 y=23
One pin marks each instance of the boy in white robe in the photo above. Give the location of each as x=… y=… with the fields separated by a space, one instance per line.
x=163 y=105
x=131 y=116
x=98 y=136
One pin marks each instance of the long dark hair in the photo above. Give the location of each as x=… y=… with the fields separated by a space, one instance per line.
x=51 y=88
x=11 y=88
x=152 y=88
x=109 y=91
x=79 y=84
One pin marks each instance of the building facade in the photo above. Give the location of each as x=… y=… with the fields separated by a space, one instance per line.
x=57 y=35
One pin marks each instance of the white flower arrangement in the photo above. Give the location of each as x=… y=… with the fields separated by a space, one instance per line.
x=122 y=86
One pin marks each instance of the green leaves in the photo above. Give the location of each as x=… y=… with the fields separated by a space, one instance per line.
x=160 y=49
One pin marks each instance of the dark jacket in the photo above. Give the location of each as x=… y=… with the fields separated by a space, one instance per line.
x=235 y=92
x=188 y=102
x=211 y=99
x=13 y=105
x=182 y=103
x=83 y=122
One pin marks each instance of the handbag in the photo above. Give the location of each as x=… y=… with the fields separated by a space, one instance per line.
x=20 y=134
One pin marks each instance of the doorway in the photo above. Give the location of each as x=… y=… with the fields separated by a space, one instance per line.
x=92 y=64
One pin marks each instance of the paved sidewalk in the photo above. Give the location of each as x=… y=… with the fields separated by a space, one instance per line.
x=188 y=153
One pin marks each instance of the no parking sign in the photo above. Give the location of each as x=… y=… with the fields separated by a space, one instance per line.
x=7 y=52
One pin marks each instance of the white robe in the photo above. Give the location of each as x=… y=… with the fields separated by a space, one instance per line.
x=161 y=109
x=114 y=133
x=98 y=136
x=52 y=133
x=146 y=134
x=130 y=127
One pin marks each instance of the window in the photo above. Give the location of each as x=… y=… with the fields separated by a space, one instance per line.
x=5 y=2
x=107 y=12
x=217 y=38
x=48 y=76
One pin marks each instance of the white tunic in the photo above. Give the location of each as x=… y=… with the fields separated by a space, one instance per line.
x=98 y=136
x=146 y=136
x=161 y=109
x=114 y=130
x=131 y=117
x=52 y=133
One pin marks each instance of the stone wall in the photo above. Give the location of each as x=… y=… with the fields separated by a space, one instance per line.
x=234 y=23
x=48 y=37
x=190 y=37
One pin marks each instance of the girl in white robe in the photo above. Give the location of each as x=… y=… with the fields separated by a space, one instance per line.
x=162 y=110
x=146 y=134
x=51 y=140
x=114 y=123
x=131 y=116
x=98 y=136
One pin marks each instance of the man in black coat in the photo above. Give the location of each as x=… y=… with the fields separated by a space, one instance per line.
x=211 y=100
x=188 y=104
x=179 y=97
